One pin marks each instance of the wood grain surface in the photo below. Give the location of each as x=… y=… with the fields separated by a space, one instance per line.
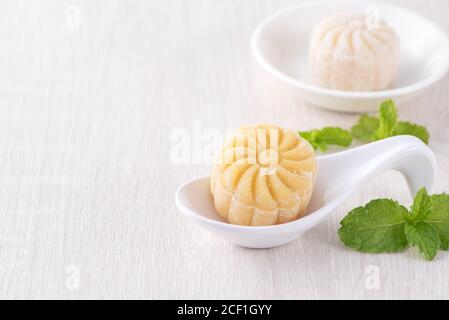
x=90 y=95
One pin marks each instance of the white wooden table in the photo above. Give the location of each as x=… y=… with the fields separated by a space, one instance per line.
x=90 y=93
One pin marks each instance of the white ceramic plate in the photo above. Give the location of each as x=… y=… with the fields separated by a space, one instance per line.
x=280 y=45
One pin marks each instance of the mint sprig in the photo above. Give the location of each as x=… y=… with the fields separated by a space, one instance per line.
x=367 y=129
x=424 y=237
x=404 y=127
x=383 y=225
x=371 y=128
x=321 y=139
x=376 y=227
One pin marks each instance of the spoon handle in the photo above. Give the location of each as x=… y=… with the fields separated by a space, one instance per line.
x=349 y=170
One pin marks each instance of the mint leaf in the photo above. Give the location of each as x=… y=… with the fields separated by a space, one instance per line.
x=388 y=119
x=312 y=137
x=376 y=227
x=335 y=136
x=439 y=217
x=365 y=128
x=371 y=128
x=322 y=138
x=385 y=226
x=421 y=207
x=403 y=127
x=423 y=236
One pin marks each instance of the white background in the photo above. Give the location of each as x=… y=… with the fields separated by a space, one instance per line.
x=90 y=92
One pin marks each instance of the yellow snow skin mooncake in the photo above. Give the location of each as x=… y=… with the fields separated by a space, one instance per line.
x=263 y=176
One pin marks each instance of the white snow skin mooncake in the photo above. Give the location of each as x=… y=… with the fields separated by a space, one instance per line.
x=353 y=52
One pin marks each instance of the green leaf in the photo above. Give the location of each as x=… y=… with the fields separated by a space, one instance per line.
x=376 y=227
x=439 y=217
x=312 y=137
x=365 y=128
x=423 y=236
x=403 y=127
x=388 y=119
x=421 y=206
x=385 y=226
x=322 y=138
x=335 y=136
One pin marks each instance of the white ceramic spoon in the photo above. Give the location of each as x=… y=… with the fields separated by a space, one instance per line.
x=339 y=175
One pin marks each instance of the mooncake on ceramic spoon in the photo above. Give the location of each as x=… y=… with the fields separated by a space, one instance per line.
x=264 y=176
